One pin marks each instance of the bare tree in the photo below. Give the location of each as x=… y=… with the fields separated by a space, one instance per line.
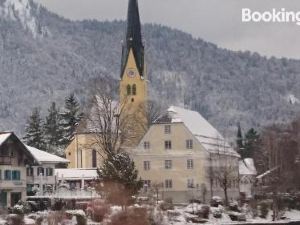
x=223 y=169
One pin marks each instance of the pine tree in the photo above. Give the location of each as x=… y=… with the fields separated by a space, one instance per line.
x=239 y=141
x=70 y=118
x=53 y=131
x=252 y=139
x=119 y=174
x=34 y=132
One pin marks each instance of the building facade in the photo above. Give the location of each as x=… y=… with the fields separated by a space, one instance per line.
x=22 y=168
x=41 y=178
x=14 y=158
x=185 y=155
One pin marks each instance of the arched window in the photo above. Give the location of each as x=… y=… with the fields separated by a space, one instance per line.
x=128 y=89
x=134 y=89
x=94 y=158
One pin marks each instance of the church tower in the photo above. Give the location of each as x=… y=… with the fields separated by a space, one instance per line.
x=133 y=84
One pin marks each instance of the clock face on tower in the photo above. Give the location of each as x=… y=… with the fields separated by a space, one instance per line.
x=131 y=73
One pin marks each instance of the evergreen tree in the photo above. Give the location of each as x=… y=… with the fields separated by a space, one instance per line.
x=251 y=143
x=53 y=131
x=34 y=130
x=70 y=118
x=239 y=141
x=119 y=174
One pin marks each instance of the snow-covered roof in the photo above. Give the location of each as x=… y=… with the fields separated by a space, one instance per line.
x=76 y=174
x=45 y=157
x=247 y=167
x=3 y=137
x=268 y=172
x=207 y=135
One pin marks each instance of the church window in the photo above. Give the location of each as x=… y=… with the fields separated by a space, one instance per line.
x=128 y=89
x=94 y=158
x=134 y=89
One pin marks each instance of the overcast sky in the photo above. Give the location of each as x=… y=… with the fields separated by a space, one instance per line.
x=216 y=21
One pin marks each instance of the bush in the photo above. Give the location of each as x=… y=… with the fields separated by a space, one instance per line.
x=167 y=204
x=204 y=212
x=14 y=219
x=97 y=210
x=216 y=201
x=133 y=216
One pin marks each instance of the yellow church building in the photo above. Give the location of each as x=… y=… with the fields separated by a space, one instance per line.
x=181 y=151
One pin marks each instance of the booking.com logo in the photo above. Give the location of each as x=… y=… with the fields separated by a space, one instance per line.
x=272 y=16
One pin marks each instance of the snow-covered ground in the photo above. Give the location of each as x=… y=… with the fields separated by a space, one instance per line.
x=180 y=215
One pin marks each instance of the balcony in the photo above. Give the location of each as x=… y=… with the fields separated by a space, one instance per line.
x=5 y=160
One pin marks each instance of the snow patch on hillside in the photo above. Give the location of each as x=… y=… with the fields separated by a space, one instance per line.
x=292 y=99
x=20 y=10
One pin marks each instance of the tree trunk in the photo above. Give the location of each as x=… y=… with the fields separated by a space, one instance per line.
x=226 y=196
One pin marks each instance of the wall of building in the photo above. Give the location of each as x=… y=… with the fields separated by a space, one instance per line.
x=180 y=174
x=79 y=151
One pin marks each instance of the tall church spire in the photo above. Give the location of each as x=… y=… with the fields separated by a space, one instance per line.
x=133 y=38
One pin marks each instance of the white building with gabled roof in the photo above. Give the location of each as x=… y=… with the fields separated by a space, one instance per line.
x=186 y=156
x=41 y=176
x=248 y=175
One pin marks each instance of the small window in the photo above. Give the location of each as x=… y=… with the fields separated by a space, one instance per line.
x=146 y=145
x=69 y=153
x=189 y=144
x=168 y=164
x=29 y=171
x=16 y=175
x=49 y=172
x=7 y=175
x=128 y=89
x=190 y=183
x=168 y=183
x=190 y=164
x=147 y=183
x=146 y=165
x=167 y=129
x=40 y=171
x=134 y=89
x=94 y=158
x=168 y=145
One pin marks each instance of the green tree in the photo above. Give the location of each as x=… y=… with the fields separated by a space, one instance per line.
x=119 y=177
x=70 y=118
x=251 y=143
x=53 y=131
x=239 y=141
x=34 y=130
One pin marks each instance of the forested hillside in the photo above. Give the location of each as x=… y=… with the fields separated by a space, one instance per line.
x=44 y=57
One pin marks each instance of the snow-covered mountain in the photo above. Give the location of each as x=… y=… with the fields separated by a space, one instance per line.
x=19 y=10
x=43 y=57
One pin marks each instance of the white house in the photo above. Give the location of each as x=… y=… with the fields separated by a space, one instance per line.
x=42 y=174
x=248 y=174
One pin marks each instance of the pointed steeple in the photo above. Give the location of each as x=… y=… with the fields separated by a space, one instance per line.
x=133 y=38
